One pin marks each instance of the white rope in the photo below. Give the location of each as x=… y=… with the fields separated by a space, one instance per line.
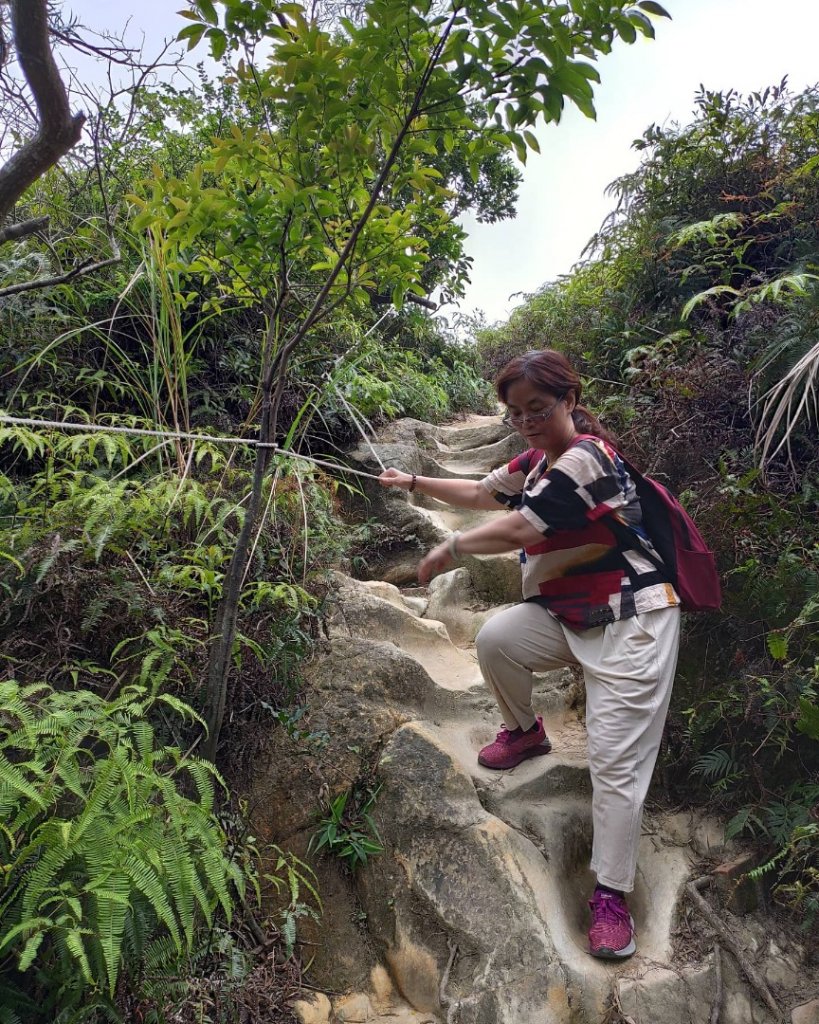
x=183 y=436
x=353 y=413
x=360 y=429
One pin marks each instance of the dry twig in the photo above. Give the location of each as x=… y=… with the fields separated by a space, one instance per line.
x=758 y=983
x=715 y=1008
x=443 y=998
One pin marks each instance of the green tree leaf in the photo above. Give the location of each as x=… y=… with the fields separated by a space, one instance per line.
x=653 y=8
x=808 y=721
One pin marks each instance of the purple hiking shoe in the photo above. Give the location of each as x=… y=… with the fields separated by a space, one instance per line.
x=513 y=746
x=611 y=935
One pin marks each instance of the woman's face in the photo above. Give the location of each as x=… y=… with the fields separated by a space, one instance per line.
x=547 y=421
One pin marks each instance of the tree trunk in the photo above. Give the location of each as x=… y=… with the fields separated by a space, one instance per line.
x=59 y=130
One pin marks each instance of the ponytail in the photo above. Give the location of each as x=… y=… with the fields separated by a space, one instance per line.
x=587 y=423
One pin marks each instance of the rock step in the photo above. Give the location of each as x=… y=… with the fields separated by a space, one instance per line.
x=540 y=849
x=476 y=908
x=475 y=432
x=453 y=518
x=486 y=456
x=378 y=610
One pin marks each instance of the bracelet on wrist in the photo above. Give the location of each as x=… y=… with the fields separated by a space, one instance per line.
x=411 y=487
x=452 y=544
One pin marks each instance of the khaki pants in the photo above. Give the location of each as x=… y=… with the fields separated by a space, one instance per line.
x=628 y=667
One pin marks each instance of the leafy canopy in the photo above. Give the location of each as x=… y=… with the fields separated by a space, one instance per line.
x=349 y=126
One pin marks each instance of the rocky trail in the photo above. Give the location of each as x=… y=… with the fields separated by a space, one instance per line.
x=475 y=913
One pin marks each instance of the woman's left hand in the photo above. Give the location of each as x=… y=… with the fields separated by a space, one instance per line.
x=437 y=561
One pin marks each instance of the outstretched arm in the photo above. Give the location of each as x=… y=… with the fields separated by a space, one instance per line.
x=461 y=493
x=506 y=534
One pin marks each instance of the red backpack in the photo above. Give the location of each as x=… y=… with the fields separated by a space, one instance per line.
x=686 y=558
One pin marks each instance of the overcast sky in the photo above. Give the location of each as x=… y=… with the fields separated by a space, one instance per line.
x=744 y=44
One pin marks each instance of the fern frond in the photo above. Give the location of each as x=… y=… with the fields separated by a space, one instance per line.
x=202 y=773
x=716 y=764
x=73 y=939
x=745 y=819
x=37 y=883
x=147 y=881
x=12 y=778
x=58 y=548
x=184 y=710
x=22 y=439
x=25 y=928
x=179 y=872
x=104 y=787
x=112 y=906
x=8 y=1016
x=213 y=866
x=206 y=905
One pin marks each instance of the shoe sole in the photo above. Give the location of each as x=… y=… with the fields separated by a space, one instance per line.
x=542 y=748
x=604 y=953
x=615 y=954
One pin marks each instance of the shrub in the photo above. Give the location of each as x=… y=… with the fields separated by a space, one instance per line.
x=104 y=851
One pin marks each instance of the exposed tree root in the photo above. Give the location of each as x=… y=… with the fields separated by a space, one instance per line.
x=756 y=980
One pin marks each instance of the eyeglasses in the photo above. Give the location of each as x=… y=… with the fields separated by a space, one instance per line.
x=514 y=420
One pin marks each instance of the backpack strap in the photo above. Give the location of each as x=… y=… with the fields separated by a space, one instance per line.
x=622 y=532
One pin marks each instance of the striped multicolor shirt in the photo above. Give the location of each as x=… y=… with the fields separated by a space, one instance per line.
x=580 y=571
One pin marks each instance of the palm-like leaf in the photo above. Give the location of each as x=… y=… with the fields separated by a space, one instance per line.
x=787 y=404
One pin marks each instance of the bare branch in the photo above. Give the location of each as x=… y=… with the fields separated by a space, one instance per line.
x=88 y=267
x=26 y=227
x=127 y=56
x=704 y=908
x=58 y=130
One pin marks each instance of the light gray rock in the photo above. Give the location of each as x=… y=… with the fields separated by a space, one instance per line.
x=482 y=458
x=454 y=876
x=661 y=995
x=480 y=431
x=495 y=578
x=708 y=838
x=453 y=601
x=685 y=995
x=358 y=610
x=806 y=1013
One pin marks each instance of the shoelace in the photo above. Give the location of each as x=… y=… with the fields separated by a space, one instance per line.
x=608 y=910
x=505 y=735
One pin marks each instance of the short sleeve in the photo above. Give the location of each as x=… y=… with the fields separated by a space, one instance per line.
x=506 y=483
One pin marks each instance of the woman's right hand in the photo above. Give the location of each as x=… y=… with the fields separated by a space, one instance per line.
x=395 y=478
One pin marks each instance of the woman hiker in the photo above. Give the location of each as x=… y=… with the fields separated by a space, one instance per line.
x=589 y=598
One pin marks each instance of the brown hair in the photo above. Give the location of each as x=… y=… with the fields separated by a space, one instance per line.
x=550 y=371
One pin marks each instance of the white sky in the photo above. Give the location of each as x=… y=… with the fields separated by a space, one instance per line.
x=744 y=44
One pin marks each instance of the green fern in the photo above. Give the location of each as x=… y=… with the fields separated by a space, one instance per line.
x=102 y=848
x=715 y=765
x=24 y=440
x=297 y=881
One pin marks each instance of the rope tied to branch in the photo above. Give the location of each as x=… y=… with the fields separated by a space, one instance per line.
x=181 y=435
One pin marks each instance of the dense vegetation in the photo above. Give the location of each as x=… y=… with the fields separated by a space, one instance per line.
x=696 y=317
x=204 y=281
x=208 y=261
